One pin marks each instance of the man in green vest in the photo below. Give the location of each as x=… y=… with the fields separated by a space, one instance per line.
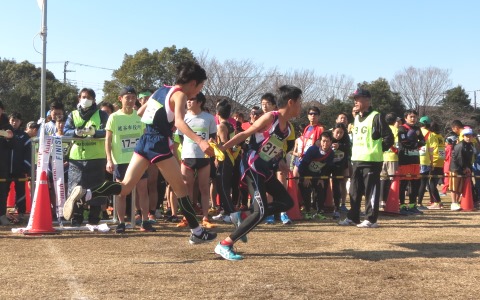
x=371 y=137
x=87 y=156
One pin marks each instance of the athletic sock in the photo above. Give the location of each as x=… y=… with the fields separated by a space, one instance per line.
x=197 y=230
x=225 y=243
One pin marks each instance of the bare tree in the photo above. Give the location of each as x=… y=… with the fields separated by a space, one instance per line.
x=421 y=88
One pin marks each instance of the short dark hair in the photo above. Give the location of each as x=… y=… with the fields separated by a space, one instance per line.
x=15 y=115
x=56 y=105
x=287 y=92
x=269 y=97
x=410 y=112
x=326 y=134
x=391 y=118
x=224 y=109
x=314 y=108
x=90 y=92
x=457 y=123
x=341 y=126
x=107 y=104
x=202 y=100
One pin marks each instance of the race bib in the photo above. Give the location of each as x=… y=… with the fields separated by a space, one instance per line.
x=412 y=152
x=316 y=166
x=271 y=149
x=441 y=153
x=128 y=144
x=149 y=113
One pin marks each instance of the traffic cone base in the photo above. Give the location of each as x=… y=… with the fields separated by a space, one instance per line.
x=467 y=199
x=294 y=212
x=42 y=214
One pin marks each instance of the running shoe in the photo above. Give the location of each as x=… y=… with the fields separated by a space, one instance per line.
x=346 y=222
x=147 y=227
x=183 y=223
x=76 y=198
x=152 y=218
x=318 y=216
x=236 y=218
x=158 y=214
x=120 y=228
x=218 y=217
x=455 y=207
x=367 y=224
x=227 y=252
x=173 y=219
x=138 y=219
x=435 y=205
x=414 y=210
x=270 y=220
x=343 y=208
x=285 y=219
x=307 y=216
x=204 y=237
x=336 y=215
x=206 y=224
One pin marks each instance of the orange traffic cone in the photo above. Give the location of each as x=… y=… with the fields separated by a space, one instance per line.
x=11 y=195
x=393 y=201
x=28 y=197
x=329 y=206
x=42 y=215
x=467 y=200
x=294 y=212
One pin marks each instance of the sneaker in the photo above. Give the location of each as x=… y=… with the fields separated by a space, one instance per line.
x=227 y=252
x=367 y=224
x=285 y=219
x=183 y=223
x=147 y=227
x=455 y=207
x=173 y=219
x=75 y=198
x=307 y=216
x=204 y=237
x=218 y=217
x=421 y=207
x=236 y=218
x=346 y=222
x=138 y=219
x=270 y=220
x=158 y=214
x=4 y=220
x=152 y=218
x=206 y=224
x=343 y=208
x=336 y=215
x=435 y=205
x=414 y=210
x=120 y=228
x=319 y=216
x=404 y=210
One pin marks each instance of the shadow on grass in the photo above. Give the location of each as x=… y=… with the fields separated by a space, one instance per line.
x=415 y=250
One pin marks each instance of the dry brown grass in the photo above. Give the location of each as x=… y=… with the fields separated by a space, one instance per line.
x=434 y=256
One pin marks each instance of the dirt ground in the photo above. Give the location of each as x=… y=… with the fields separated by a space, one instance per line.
x=433 y=256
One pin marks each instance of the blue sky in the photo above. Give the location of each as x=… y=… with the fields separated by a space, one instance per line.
x=361 y=39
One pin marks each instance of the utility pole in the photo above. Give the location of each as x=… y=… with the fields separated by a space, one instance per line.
x=65 y=71
x=475 y=99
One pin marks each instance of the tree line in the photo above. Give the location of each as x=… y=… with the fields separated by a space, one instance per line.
x=428 y=90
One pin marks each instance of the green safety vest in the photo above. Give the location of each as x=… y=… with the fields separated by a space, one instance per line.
x=364 y=147
x=87 y=149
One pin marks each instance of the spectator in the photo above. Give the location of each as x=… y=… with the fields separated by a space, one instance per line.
x=87 y=156
x=438 y=160
x=390 y=160
x=426 y=159
x=6 y=144
x=57 y=112
x=342 y=153
x=123 y=130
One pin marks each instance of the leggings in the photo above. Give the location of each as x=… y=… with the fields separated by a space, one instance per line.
x=224 y=185
x=258 y=189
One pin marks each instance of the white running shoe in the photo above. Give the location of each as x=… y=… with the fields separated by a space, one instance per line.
x=455 y=207
x=76 y=195
x=346 y=222
x=367 y=224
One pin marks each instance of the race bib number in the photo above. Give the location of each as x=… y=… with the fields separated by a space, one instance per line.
x=316 y=166
x=271 y=149
x=199 y=132
x=441 y=153
x=149 y=113
x=338 y=156
x=128 y=144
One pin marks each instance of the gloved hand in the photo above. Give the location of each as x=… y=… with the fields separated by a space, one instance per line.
x=89 y=131
x=79 y=132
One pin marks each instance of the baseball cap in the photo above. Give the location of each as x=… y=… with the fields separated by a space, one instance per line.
x=127 y=90
x=144 y=94
x=361 y=93
x=33 y=124
x=467 y=131
x=425 y=120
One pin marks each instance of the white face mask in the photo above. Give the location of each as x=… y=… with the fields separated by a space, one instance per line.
x=86 y=103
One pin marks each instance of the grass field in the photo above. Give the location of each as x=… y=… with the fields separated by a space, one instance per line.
x=433 y=256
